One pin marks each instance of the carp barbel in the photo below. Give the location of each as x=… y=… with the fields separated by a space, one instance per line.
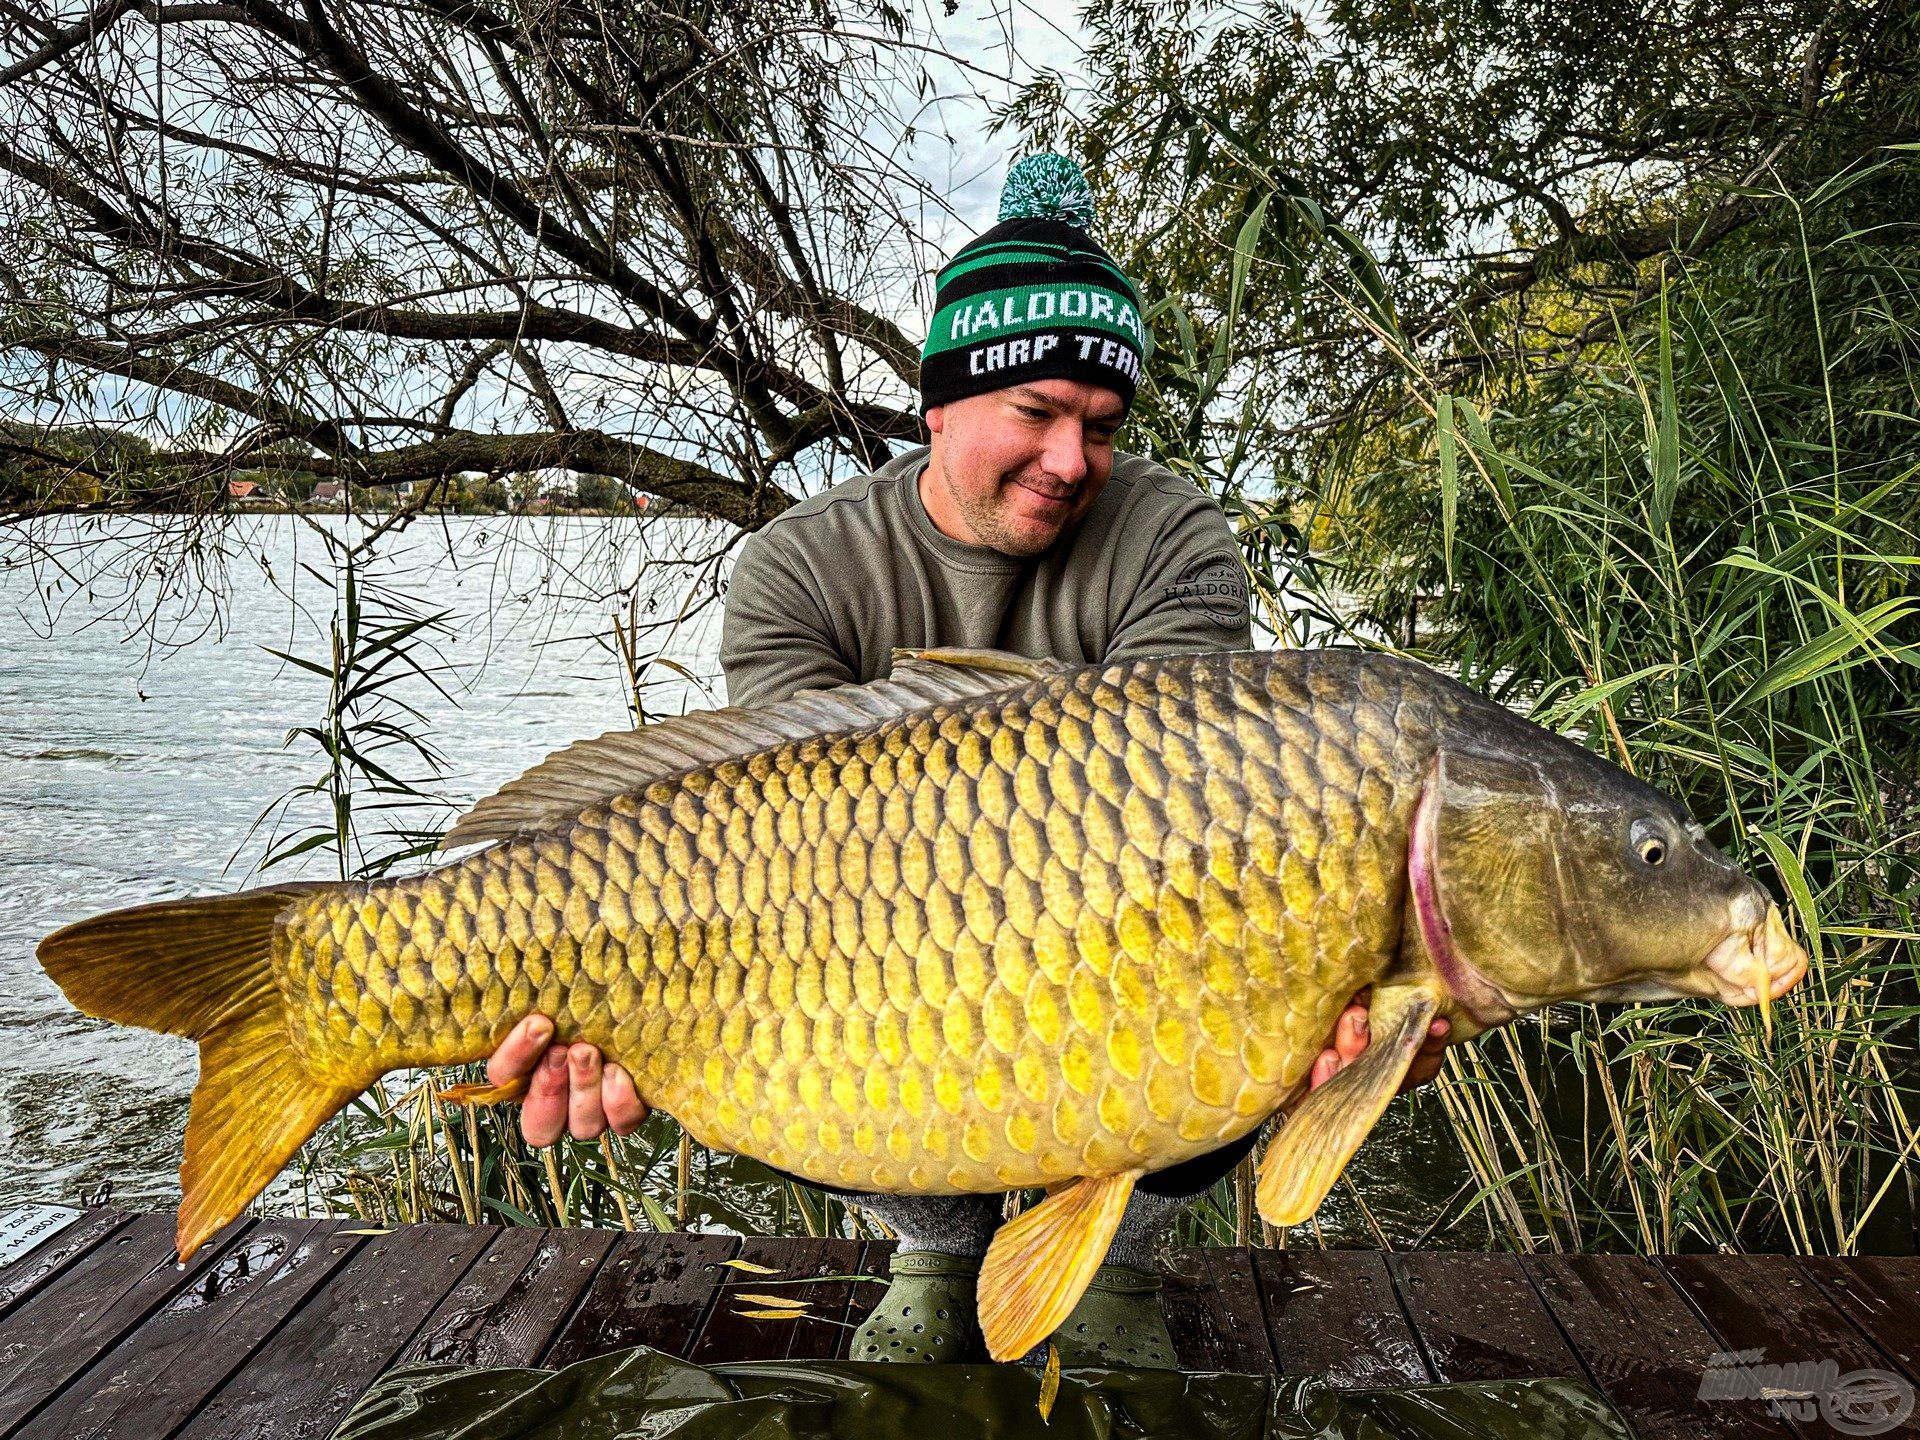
x=986 y=924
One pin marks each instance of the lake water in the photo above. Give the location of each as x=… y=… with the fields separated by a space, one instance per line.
x=136 y=759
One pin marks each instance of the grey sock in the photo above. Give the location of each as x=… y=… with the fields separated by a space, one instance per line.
x=964 y=1224
x=950 y=1224
x=1136 y=1244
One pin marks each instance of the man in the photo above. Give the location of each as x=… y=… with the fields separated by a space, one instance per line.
x=1018 y=528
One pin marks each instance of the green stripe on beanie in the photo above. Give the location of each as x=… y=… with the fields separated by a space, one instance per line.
x=1035 y=298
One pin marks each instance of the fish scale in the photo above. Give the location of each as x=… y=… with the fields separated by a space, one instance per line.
x=1100 y=922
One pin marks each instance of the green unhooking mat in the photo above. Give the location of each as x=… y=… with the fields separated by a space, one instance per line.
x=645 y=1395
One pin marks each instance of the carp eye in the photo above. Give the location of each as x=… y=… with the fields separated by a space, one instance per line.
x=1649 y=843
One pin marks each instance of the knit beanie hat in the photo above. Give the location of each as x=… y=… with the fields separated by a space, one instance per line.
x=1034 y=298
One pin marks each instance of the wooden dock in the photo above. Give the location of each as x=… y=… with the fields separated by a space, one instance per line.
x=275 y=1329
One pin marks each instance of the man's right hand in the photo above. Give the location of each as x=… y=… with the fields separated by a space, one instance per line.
x=571 y=1091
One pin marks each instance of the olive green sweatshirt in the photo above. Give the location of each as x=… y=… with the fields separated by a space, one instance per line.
x=824 y=594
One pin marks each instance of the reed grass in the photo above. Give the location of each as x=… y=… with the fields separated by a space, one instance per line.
x=1692 y=548
x=1686 y=551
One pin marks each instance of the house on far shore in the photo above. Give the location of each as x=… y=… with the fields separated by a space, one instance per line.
x=247 y=491
x=329 y=492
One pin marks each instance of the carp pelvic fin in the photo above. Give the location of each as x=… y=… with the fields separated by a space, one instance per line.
x=1319 y=1138
x=204 y=969
x=1041 y=1261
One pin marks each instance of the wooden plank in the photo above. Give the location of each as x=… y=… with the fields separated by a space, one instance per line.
x=1881 y=1295
x=54 y=1254
x=1334 y=1314
x=650 y=1290
x=1478 y=1317
x=509 y=1306
x=823 y=1334
x=1213 y=1311
x=155 y=1378
x=730 y=1335
x=1767 y=1303
x=64 y=1325
x=1249 y=1339
x=1644 y=1347
x=303 y=1380
x=865 y=1295
x=1196 y=1315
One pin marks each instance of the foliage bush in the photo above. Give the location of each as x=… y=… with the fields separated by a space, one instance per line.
x=1661 y=494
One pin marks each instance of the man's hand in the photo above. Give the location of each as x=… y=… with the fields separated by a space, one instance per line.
x=1350 y=1042
x=571 y=1092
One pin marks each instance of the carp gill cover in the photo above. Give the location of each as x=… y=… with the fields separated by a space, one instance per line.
x=988 y=923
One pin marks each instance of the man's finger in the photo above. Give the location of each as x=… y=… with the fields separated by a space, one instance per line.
x=1350 y=1034
x=1324 y=1069
x=1431 y=1055
x=626 y=1111
x=543 y=1114
x=585 y=1118
x=520 y=1051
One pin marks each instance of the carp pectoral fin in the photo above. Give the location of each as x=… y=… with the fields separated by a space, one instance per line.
x=478 y=1094
x=1041 y=1261
x=204 y=968
x=1319 y=1138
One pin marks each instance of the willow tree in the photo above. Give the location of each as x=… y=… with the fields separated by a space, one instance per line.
x=363 y=240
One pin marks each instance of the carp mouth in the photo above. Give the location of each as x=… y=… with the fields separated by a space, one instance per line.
x=1754 y=964
x=1757 y=963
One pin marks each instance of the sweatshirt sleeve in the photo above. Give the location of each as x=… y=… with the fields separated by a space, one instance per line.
x=1193 y=589
x=774 y=640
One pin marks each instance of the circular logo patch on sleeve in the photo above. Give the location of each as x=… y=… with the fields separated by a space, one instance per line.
x=1214 y=585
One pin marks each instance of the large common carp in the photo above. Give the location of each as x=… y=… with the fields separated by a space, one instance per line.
x=989 y=923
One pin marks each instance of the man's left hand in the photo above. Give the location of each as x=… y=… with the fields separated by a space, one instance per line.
x=1350 y=1043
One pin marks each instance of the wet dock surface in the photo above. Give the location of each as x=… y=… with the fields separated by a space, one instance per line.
x=279 y=1325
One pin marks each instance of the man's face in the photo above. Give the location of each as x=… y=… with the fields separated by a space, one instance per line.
x=1013 y=468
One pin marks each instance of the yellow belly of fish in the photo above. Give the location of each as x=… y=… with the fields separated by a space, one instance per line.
x=929 y=1101
x=937 y=957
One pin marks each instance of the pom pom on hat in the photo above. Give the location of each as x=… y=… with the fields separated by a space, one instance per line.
x=1047 y=187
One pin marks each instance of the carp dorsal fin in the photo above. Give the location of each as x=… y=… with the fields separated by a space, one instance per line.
x=1319 y=1138
x=588 y=772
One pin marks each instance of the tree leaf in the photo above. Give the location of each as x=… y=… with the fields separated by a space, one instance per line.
x=1825 y=653
x=1049 y=1383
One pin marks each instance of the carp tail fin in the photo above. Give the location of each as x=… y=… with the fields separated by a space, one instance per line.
x=1041 y=1261
x=203 y=968
x=254 y=1107
x=1319 y=1138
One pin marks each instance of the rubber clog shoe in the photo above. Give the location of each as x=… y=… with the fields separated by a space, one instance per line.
x=929 y=1315
x=1118 y=1324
